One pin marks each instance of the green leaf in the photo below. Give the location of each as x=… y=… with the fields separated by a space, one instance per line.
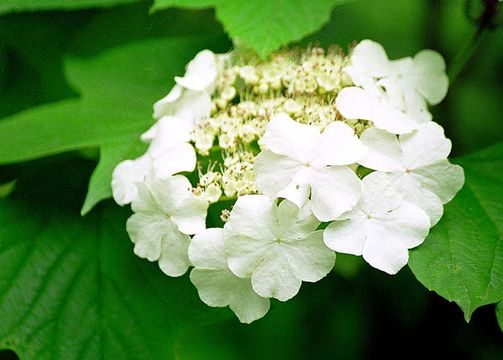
x=462 y=258
x=118 y=89
x=111 y=155
x=264 y=26
x=499 y=314
x=71 y=287
x=7 y=6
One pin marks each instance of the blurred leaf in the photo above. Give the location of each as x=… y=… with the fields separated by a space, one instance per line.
x=499 y=314
x=472 y=103
x=264 y=26
x=382 y=21
x=118 y=89
x=462 y=258
x=31 y=68
x=71 y=287
x=125 y=24
x=7 y=6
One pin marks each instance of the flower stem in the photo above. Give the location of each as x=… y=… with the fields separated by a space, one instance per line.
x=463 y=57
x=485 y=22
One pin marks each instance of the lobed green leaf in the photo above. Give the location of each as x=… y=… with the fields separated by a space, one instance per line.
x=462 y=258
x=264 y=26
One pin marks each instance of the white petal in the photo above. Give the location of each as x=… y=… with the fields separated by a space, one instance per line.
x=220 y=288
x=213 y=286
x=201 y=72
x=124 y=178
x=379 y=193
x=295 y=222
x=247 y=304
x=147 y=232
x=254 y=216
x=338 y=145
x=285 y=136
x=149 y=135
x=356 y=103
x=275 y=278
x=387 y=255
x=190 y=216
x=390 y=235
x=429 y=76
x=174 y=259
x=164 y=106
x=408 y=224
x=249 y=233
x=170 y=193
x=188 y=105
x=411 y=190
x=168 y=132
x=347 y=236
x=297 y=191
x=244 y=253
x=206 y=250
x=174 y=160
x=368 y=60
x=424 y=146
x=334 y=190
x=193 y=107
x=144 y=202
x=384 y=153
x=441 y=178
x=274 y=172
x=309 y=257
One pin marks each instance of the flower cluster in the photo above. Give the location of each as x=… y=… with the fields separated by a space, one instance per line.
x=288 y=142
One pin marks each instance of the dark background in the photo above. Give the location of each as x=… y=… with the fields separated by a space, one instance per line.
x=356 y=312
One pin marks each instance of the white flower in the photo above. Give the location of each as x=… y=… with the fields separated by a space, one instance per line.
x=392 y=94
x=125 y=176
x=356 y=103
x=170 y=149
x=166 y=212
x=201 y=72
x=216 y=284
x=277 y=246
x=190 y=98
x=418 y=164
x=168 y=153
x=381 y=227
x=406 y=80
x=300 y=161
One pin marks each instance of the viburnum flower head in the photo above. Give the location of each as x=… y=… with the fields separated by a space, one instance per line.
x=305 y=141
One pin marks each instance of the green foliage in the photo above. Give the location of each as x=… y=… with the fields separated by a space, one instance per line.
x=71 y=287
x=462 y=259
x=7 y=6
x=264 y=26
x=118 y=89
x=499 y=314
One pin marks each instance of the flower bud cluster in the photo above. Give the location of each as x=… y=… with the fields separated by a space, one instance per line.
x=249 y=93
